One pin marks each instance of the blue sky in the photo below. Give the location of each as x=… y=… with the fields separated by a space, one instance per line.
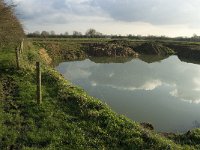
x=145 y=17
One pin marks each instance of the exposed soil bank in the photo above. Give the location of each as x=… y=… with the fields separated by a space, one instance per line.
x=110 y=50
x=70 y=50
x=152 y=48
x=78 y=51
x=186 y=51
x=128 y=49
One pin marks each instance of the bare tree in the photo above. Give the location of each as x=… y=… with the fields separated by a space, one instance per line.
x=44 y=33
x=77 y=33
x=90 y=32
x=66 y=33
x=93 y=33
x=36 y=33
x=52 y=32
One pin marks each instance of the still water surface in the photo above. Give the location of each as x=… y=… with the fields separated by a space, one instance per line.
x=164 y=92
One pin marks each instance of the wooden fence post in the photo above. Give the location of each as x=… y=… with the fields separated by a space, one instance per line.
x=38 y=73
x=22 y=46
x=17 y=57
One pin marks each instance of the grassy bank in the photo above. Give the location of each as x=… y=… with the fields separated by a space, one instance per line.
x=68 y=118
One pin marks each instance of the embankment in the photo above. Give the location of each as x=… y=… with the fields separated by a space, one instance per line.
x=66 y=50
x=190 y=51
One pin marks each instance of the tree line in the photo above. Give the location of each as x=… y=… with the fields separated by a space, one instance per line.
x=92 y=33
x=11 y=30
x=89 y=33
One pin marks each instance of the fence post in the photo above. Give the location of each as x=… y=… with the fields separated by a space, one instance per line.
x=17 y=57
x=38 y=73
x=22 y=46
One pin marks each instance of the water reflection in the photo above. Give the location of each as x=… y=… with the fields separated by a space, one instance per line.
x=135 y=88
x=152 y=58
x=110 y=59
x=189 y=60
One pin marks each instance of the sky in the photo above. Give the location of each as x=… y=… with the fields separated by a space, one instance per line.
x=139 y=17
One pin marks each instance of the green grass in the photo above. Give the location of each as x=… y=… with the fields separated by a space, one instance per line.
x=68 y=118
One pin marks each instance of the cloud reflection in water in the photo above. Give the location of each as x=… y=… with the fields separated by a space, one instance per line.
x=182 y=78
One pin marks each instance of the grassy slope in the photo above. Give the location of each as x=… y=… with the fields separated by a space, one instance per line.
x=68 y=117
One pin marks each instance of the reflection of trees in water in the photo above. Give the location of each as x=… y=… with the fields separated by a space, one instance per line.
x=152 y=58
x=145 y=58
x=196 y=124
x=111 y=59
x=189 y=60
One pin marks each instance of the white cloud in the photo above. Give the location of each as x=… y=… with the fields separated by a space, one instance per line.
x=185 y=96
x=189 y=93
x=148 y=86
x=93 y=83
x=166 y=17
x=152 y=11
x=151 y=85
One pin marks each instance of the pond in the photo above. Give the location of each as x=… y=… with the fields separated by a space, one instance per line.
x=163 y=92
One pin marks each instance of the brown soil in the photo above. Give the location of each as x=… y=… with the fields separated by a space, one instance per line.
x=110 y=50
x=44 y=55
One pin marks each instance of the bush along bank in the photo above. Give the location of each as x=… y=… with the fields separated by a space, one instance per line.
x=68 y=118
